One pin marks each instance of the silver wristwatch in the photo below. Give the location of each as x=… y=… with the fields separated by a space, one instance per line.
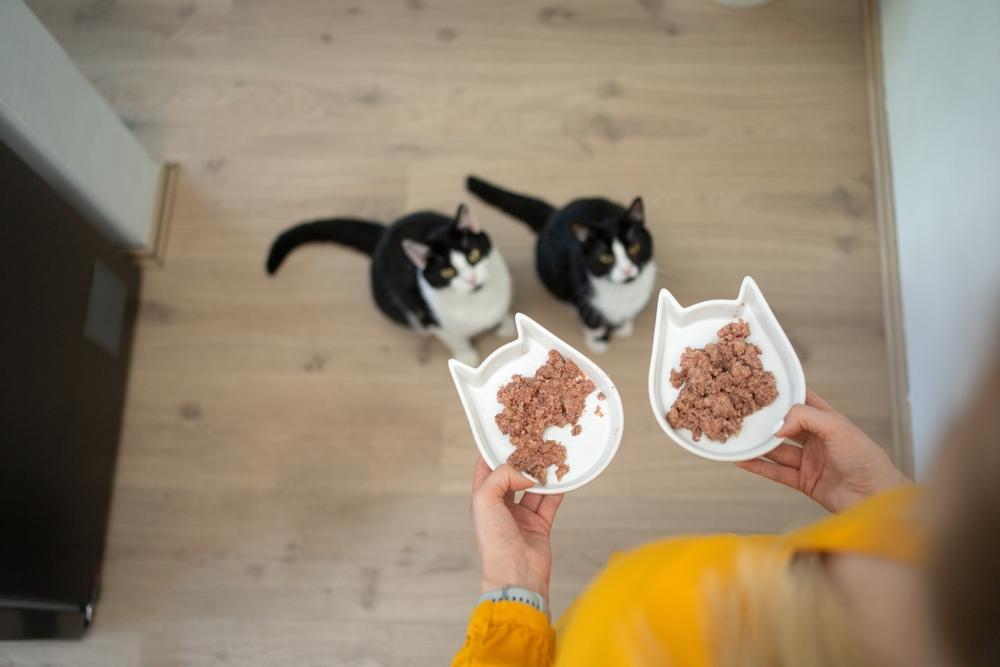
x=515 y=594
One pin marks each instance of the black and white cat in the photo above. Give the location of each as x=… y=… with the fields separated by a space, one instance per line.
x=433 y=274
x=593 y=253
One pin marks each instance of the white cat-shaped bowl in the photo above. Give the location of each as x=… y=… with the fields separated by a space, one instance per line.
x=588 y=453
x=678 y=328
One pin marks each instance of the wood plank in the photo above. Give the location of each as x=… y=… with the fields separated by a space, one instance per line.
x=294 y=469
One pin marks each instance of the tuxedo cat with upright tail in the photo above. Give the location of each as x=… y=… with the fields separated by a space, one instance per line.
x=436 y=275
x=592 y=253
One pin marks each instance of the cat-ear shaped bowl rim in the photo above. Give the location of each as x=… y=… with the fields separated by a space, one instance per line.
x=529 y=329
x=783 y=362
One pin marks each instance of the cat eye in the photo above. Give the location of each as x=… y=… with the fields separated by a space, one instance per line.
x=474 y=255
x=634 y=249
x=607 y=258
x=447 y=272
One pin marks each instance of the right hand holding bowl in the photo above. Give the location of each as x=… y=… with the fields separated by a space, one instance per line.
x=837 y=465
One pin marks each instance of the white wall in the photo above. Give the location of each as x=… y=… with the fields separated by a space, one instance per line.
x=942 y=77
x=55 y=121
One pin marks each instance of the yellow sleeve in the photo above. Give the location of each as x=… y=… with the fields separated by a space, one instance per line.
x=507 y=634
x=890 y=524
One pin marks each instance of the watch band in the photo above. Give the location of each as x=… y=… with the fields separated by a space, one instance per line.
x=515 y=594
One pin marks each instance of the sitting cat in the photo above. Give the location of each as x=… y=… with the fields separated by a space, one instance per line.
x=431 y=273
x=592 y=253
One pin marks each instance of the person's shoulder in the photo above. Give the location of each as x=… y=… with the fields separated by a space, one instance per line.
x=889 y=524
x=687 y=556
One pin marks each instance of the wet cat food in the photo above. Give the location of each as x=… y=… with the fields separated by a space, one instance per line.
x=720 y=384
x=555 y=396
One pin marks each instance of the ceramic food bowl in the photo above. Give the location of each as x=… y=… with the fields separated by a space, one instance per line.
x=678 y=328
x=588 y=453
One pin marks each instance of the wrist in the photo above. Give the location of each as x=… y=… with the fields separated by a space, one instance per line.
x=488 y=584
x=893 y=479
x=890 y=476
x=524 y=596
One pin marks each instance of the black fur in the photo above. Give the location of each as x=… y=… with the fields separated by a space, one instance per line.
x=534 y=212
x=393 y=275
x=358 y=234
x=572 y=241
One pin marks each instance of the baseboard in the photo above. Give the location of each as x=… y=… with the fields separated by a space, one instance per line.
x=155 y=251
x=901 y=448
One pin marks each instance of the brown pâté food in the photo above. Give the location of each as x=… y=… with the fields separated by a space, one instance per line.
x=555 y=396
x=721 y=384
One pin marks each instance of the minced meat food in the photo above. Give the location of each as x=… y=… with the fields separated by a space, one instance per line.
x=720 y=385
x=555 y=396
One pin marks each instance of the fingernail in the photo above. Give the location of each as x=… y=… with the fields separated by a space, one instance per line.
x=778 y=426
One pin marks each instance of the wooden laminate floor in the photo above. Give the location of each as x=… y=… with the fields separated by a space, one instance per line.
x=293 y=480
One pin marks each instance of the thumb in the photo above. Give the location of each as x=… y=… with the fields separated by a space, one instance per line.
x=807 y=418
x=500 y=482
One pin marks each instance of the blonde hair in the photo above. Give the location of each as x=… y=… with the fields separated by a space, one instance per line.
x=965 y=532
x=780 y=614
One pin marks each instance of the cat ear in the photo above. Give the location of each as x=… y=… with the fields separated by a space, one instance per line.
x=636 y=212
x=581 y=232
x=417 y=252
x=465 y=220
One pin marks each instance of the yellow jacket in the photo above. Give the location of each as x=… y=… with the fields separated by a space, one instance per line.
x=659 y=588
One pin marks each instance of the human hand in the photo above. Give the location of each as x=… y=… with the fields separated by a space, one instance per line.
x=837 y=465
x=512 y=538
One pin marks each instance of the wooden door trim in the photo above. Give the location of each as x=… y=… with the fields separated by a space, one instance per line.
x=901 y=447
x=155 y=251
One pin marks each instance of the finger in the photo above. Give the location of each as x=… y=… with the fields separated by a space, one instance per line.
x=807 y=418
x=772 y=471
x=817 y=401
x=499 y=483
x=786 y=455
x=481 y=473
x=549 y=505
x=510 y=499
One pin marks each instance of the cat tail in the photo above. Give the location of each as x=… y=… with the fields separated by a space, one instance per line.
x=358 y=234
x=534 y=212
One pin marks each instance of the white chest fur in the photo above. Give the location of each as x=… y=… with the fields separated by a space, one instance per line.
x=470 y=313
x=621 y=302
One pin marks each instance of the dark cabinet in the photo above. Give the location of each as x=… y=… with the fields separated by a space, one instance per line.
x=68 y=301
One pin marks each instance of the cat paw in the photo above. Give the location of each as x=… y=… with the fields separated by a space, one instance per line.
x=468 y=357
x=596 y=340
x=506 y=328
x=624 y=330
